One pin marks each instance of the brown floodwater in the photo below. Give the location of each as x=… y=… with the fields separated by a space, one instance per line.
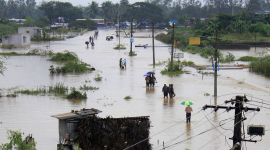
x=31 y=114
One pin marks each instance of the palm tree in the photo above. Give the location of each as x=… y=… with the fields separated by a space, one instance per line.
x=93 y=9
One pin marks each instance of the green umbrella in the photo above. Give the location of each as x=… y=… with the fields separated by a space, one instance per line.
x=187 y=103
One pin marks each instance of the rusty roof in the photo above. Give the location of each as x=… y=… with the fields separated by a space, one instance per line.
x=77 y=113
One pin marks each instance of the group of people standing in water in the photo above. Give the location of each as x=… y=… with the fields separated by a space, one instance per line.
x=150 y=80
x=168 y=91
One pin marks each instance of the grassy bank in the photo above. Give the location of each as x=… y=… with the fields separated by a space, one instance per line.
x=261 y=66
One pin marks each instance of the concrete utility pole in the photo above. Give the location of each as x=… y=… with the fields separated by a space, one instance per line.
x=239 y=100
x=119 y=25
x=153 y=38
x=215 y=75
x=131 y=37
x=238 y=122
x=171 y=68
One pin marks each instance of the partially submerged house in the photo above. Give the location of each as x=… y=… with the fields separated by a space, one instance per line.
x=32 y=31
x=69 y=121
x=17 y=40
x=85 y=130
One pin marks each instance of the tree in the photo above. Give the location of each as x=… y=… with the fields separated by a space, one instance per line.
x=17 y=142
x=28 y=22
x=142 y=11
x=3 y=8
x=253 y=5
x=30 y=7
x=93 y=9
x=107 y=11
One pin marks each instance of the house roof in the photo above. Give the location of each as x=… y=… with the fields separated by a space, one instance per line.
x=77 y=113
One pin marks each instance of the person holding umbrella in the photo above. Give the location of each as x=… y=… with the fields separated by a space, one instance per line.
x=188 y=109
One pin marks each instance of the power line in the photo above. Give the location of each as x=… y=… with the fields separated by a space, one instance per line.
x=258 y=106
x=158 y=133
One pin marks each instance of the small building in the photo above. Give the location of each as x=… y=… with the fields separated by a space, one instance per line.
x=32 y=31
x=69 y=121
x=16 y=40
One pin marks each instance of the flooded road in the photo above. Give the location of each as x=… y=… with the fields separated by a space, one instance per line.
x=31 y=114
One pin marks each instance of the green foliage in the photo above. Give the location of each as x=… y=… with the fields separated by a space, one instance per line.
x=120 y=47
x=42 y=22
x=128 y=97
x=65 y=56
x=82 y=24
x=76 y=95
x=248 y=58
x=176 y=70
x=261 y=65
x=28 y=22
x=86 y=88
x=188 y=63
x=58 y=88
x=206 y=94
x=75 y=66
x=160 y=63
x=61 y=31
x=6 y=29
x=98 y=78
x=16 y=142
x=133 y=53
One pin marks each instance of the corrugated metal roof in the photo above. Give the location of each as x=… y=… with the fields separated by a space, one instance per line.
x=77 y=114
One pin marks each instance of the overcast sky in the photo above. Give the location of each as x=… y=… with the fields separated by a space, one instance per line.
x=85 y=2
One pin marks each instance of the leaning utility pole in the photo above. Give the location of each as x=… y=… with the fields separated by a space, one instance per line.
x=131 y=40
x=153 y=37
x=215 y=75
x=237 y=138
x=171 y=69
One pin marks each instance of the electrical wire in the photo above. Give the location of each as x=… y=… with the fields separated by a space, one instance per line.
x=175 y=144
x=158 y=132
x=258 y=106
x=193 y=127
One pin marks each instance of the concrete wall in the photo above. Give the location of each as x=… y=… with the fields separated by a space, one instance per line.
x=16 y=40
x=32 y=31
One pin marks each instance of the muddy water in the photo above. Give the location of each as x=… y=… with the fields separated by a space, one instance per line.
x=31 y=114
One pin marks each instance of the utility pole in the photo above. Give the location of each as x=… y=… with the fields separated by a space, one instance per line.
x=153 y=38
x=215 y=75
x=238 y=121
x=171 y=69
x=119 y=25
x=237 y=138
x=131 y=37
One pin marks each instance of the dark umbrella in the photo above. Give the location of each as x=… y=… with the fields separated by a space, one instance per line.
x=150 y=72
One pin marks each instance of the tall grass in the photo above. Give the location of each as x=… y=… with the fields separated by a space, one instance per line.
x=261 y=66
x=58 y=88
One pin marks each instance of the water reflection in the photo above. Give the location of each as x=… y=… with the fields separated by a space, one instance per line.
x=150 y=90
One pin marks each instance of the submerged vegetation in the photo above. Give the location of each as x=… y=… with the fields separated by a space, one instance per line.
x=65 y=56
x=75 y=94
x=261 y=65
x=98 y=78
x=120 y=47
x=35 y=51
x=248 y=58
x=128 y=97
x=73 y=64
x=133 y=53
x=59 y=89
x=176 y=69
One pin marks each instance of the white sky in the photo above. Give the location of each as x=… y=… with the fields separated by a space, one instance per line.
x=85 y=2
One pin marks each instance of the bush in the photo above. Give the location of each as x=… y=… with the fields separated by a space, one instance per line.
x=65 y=56
x=176 y=70
x=98 y=78
x=75 y=66
x=248 y=58
x=76 y=95
x=16 y=142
